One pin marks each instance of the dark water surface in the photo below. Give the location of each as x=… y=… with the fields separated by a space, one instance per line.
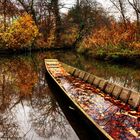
x=28 y=108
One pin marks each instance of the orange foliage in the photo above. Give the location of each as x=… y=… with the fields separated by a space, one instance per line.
x=21 y=33
x=115 y=35
x=46 y=42
x=27 y=77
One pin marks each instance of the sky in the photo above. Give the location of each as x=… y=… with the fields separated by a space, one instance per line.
x=105 y=3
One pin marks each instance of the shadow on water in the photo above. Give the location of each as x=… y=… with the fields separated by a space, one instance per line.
x=28 y=109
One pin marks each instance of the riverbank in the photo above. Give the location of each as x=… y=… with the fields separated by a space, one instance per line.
x=129 y=58
x=124 y=75
x=9 y=51
x=119 y=57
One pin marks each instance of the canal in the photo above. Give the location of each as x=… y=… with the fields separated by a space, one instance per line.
x=28 y=108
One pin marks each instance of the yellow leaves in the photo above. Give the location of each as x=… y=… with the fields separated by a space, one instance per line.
x=21 y=33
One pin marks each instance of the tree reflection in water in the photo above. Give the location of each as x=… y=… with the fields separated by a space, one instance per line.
x=8 y=126
x=28 y=109
x=127 y=76
x=121 y=74
x=47 y=118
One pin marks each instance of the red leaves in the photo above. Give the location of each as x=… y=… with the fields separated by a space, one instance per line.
x=115 y=117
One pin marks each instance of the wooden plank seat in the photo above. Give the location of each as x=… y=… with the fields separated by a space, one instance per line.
x=82 y=74
x=96 y=81
x=86 y=76
x=76 y=73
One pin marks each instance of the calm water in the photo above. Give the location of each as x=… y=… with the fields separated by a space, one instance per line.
x=28 y=108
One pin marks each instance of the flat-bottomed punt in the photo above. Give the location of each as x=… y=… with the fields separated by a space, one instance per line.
x=113 y=111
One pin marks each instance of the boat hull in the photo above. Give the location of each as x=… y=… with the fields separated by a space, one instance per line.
x=91 y=97
x=98 y=134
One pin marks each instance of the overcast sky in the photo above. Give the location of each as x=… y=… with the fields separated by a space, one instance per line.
x=105 y=3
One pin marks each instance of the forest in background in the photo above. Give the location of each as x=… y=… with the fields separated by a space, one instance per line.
x=87 y=27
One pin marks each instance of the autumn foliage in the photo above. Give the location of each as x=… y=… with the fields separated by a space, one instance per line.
x=69 y=36
x=112 y=39
x=21 y=34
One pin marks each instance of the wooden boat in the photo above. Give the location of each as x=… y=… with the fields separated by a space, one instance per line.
x=112 y=111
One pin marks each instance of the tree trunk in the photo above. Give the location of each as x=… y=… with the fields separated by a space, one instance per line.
x=55 y=6
x=120 y=5
x=29 y=8
x=34 y=16
x=4 y=14
x=78 y=3
x=123 y=13
x=138 y=25
x=135 y=6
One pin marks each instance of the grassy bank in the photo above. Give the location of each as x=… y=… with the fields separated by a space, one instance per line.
x=120 y=57
x=116 y=43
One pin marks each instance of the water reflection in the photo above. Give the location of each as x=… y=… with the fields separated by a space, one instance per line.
x=119 y=74
x=28 y=109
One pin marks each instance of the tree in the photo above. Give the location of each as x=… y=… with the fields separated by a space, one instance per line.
x=78 y=3
x=7 y=10
x=55 y=10
x=87 y=15
x=45 y=12
x=21 y=34
x=120 y=5
x=29 y=7
x=136 y=6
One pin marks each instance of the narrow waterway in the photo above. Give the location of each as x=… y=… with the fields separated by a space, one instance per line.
x=28 y=108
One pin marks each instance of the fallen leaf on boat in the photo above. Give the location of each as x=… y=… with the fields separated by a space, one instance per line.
x=117 y=117
x=133 y=132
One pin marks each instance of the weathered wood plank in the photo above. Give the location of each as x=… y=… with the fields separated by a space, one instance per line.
x=86 y=76
x=134 y=99
x=102 y=84
x=91 y=78
x=109 y=88
x=124 y=96
x=82 y=74
x=77 y=72
x=117 y=91
x=96 y=81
